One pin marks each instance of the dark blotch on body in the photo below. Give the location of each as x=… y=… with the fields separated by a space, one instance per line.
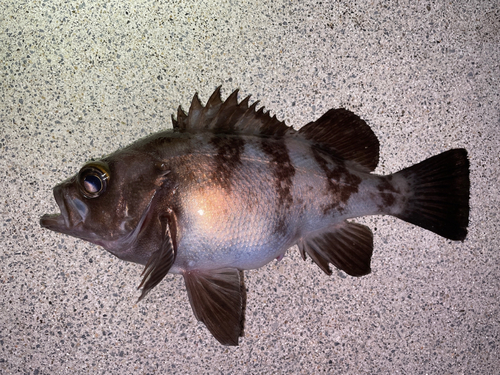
x=340 y=183
x=387 y=193
x=283 y=172
x=228 y=158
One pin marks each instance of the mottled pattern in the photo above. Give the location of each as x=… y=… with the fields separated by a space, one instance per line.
x=227 y=158
x=387 y=193
x=341 y=184
x=283 y=172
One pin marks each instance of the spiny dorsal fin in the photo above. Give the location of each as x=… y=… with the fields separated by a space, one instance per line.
x=345 y=135
x=228 y=117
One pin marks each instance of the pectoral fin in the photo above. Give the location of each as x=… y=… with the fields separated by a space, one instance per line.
x=218 y=298
x=162 y=259
x=347 y=246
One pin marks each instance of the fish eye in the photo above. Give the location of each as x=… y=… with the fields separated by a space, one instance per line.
x=93 y=179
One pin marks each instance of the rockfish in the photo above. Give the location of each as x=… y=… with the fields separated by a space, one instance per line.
x=231 y=188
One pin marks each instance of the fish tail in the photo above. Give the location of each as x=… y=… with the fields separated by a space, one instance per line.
x=438 y=198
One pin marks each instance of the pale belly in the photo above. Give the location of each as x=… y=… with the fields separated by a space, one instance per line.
x=228 y=230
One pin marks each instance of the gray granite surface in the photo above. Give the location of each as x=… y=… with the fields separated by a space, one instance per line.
x=80 y=79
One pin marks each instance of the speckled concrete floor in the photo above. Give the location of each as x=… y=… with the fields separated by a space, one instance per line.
x=80 y=79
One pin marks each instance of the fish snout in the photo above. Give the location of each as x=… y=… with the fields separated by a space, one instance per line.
x=74 y=211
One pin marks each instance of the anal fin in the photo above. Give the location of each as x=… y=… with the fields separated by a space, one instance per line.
x=347 y=246
x=218 y=299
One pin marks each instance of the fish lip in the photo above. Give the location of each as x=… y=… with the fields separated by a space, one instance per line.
x=52 y=221
x=57 y=222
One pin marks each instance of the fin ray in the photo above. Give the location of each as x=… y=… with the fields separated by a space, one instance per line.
x=345 y=135
x=218 y=300
x=162 y=259
x=348 y=246
x=439 y=194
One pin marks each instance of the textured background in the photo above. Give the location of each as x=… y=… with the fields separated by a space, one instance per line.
x=82 y=78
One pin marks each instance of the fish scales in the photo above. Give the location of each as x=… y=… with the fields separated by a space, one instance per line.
x=231 y=188
x=281 y=193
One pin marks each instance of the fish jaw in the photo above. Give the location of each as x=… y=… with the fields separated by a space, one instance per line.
x=73 y=216
x=73 y=213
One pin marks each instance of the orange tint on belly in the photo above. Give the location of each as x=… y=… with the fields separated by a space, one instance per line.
x=226 y=219
x=210 y=209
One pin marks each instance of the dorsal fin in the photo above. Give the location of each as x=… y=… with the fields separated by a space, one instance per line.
x=345 y=135
x=228 y=117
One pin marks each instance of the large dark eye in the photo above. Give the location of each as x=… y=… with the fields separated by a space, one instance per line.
x=93 y=179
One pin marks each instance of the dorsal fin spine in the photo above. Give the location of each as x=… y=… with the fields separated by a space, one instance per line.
x=215 y=98
x=228 y=117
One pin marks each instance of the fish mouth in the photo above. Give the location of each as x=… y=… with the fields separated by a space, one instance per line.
x=73 y=213
x=56 y=221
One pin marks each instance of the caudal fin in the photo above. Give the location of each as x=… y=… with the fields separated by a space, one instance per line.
x=439 y=198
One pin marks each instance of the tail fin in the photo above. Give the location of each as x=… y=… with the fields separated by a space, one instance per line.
x=439 y=198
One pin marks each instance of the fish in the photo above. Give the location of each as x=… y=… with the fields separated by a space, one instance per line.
x=231 y=188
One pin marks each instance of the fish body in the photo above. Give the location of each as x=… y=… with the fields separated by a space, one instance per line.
x=230 y=188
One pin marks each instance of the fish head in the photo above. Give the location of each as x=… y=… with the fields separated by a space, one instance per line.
x=110 y=202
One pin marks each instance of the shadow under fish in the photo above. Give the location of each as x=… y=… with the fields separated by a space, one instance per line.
x=231 y=188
